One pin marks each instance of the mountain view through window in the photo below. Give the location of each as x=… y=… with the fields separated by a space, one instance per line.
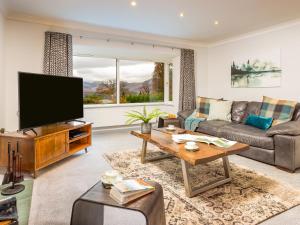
x=138 y=81
x=141 y=81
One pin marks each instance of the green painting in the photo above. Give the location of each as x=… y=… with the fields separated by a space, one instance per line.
x=256 y=72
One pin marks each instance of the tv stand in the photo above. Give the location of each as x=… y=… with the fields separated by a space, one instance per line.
x=25 y=131
x=48 y=145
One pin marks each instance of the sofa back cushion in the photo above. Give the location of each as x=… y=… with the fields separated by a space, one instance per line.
x=252 y=108
x=296 y=115
x=238 y=111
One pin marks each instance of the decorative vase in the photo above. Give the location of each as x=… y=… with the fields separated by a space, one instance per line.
x=146 y=128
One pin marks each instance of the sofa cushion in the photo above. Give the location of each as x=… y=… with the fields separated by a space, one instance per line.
x=281 y=110
x=220 y=110
x=203 y=106
x=260 y=122
x=211 y=127
x=296 y=115
x=248 y=135
x=252 y=108
x=238 y=111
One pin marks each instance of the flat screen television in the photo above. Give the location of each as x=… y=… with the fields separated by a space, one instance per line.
x=46 y=99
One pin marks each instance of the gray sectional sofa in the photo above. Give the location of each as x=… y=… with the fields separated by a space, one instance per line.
x=279 y=146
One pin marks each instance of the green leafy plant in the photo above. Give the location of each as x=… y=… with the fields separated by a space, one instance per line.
x=145 y=117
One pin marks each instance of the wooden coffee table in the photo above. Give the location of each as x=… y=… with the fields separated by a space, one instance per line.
x=207 y=153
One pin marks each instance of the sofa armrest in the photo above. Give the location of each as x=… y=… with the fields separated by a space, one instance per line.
x=182 y=115
x=185 y=114
x=289 y=128
x=287 y=151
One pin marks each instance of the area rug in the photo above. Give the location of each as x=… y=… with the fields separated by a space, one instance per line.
x=249 y=199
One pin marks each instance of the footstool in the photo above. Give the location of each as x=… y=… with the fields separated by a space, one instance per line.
x=95 y=207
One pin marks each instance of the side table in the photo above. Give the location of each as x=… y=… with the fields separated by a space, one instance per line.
x=95 y=207
x=164 y=122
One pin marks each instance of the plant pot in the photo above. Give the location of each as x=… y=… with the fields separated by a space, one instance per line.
x=146 y=128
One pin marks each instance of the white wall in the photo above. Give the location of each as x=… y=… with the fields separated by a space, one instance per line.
x=24 y=52
x=220 y=58
x=2 y=92
x=201 y=70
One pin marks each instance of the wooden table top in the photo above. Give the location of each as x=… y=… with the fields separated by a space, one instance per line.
x=163 y=139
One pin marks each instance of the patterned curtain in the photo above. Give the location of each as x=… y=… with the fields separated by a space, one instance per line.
x=187 y=98
x=58 y=54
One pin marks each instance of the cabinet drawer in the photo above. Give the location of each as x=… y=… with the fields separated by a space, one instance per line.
x=49 y=148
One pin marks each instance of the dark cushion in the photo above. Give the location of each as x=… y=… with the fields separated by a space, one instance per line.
x=289 y=128
x=238 y=111
x=259 y=122
x=296 y=115
x=211 y=127
x=185 y=114
x=252 y=108
x=248 y=135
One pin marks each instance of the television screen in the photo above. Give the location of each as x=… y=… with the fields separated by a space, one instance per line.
x=46 y=99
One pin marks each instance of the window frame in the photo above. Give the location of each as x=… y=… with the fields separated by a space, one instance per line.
x=118 y=104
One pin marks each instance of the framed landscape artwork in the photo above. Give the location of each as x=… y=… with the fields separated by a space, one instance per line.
x=262 y=70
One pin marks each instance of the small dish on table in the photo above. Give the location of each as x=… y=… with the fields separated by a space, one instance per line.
x=171 y=127
x=191 y=146
x=109 y=178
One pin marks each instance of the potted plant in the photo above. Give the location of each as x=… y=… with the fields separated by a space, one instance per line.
x=144 y=117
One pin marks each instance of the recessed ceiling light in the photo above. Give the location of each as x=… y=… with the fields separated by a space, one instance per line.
x=181 y=14
x=216 y=22
x=133 y=3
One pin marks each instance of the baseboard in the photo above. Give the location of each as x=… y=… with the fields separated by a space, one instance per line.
x=97 y=130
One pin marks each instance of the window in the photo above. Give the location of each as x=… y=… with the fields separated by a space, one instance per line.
x=99 y=79
x=118 y=81
x=170 y=81
x=141 y=81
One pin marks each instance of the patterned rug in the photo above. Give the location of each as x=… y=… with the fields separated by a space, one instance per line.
x=249 y=199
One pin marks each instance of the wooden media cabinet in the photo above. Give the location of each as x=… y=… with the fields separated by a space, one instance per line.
x=51 y=144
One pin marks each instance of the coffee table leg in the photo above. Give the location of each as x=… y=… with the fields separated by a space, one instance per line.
x=155 y=158
x=186 y=178
x=192 y=191
x=144 y=152
x=226 y=167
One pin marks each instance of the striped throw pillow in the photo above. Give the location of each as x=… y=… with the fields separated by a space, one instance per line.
x=280 y=110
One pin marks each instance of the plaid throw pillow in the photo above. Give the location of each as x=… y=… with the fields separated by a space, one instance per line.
x=280 y=110
x=203 y=105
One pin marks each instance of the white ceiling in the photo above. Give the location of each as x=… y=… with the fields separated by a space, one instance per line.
x=161 y=17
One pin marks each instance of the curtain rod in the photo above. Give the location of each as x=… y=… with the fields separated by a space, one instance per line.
x=128 y=42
